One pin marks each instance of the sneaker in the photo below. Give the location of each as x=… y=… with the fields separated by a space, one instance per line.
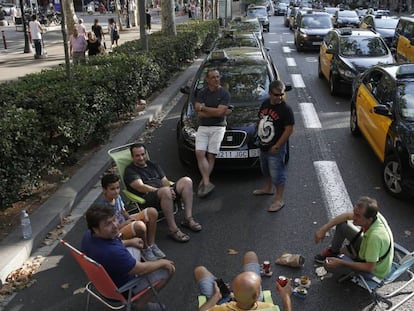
x=157 y=252
x=320 y=258
x=148 y=255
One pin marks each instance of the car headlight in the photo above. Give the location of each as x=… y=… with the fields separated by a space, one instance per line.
x=303 y=35
x=189 y=134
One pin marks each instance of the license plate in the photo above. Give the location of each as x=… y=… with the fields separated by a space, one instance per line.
x=317 y=43
x=239 y=154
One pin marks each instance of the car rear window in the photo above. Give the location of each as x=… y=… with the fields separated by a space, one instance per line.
x=323 y=22
x=406 y=102
x=362 y=46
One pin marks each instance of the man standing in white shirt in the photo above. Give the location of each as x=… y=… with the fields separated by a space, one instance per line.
x=36 y=31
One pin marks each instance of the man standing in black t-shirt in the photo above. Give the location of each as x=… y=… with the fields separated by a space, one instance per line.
x=275 y=126
x=148 y=180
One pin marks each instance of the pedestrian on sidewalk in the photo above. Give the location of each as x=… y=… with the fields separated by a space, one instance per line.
x=97 y=30
x=78 y=47
x=148 y=20
x=81 y=28
x=94 y=46
x=36 y=31
x=113 y=32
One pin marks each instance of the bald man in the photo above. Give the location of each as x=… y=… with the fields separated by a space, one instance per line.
x=247 y=292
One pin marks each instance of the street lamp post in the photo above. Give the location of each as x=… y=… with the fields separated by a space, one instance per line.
x=27 y=48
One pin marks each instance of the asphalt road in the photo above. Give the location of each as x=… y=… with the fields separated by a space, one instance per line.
x=233 y=218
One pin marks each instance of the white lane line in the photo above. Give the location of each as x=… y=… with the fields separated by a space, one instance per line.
x=286 y=49
x=274 y=42
x=298 y=81
x=311 y=59
x=290 y=61
x=309 y=116
x=333 y=188
x=289 y=42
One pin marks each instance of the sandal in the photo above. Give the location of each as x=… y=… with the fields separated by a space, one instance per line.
x=179 y=236
x=191 y=224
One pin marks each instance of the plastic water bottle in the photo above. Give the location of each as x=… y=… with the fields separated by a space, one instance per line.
x=26 y=226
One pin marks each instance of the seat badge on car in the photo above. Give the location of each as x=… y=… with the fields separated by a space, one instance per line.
x=229 y=138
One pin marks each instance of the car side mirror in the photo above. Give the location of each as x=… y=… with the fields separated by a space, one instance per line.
x=382 y=110
x=330 y=51
x=185 y=90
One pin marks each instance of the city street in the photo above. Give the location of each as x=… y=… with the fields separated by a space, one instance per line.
x=233 y=218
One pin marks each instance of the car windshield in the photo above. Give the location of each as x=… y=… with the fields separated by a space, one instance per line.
x=257 y=12
x=362 y=46
x=224 y=43
x=316 y=22
x=386 y=23
x=245 y=26
x=347 y=14
x=246 y=83
x=406 y=101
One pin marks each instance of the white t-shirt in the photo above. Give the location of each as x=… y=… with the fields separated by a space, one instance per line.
x=35 y=29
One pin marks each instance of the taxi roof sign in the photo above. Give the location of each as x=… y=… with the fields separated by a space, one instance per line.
x=404 y=71
x=345 y=31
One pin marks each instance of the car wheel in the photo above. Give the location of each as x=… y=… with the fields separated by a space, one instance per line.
x=320 y=74
x=353 y=121
x=392 y=176
x=333 y=84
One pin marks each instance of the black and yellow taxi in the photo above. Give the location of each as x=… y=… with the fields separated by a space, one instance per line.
x=347 y=52
x=403 y=42
x=382 y=109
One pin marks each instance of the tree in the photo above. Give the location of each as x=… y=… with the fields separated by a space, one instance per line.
x=168 y=17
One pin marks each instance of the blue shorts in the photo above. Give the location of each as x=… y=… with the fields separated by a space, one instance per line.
x=273 y=165
x=206 y=285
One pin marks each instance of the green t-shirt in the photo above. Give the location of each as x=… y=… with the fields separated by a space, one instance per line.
x=375 y=243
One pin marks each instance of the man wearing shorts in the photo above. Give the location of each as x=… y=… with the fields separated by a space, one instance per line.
x=101 y=243
x=212 y=106
x=147 y=179
x=247 y=292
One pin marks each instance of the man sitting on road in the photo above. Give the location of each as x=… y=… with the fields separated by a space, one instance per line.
x=148 y=180
x=246 y=288
x=371 y=247
x=102 y=243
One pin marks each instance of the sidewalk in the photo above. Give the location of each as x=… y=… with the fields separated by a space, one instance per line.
x=80 y=190
x=14 y=63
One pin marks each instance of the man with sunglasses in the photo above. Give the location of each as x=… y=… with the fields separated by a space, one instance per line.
x=275 y=125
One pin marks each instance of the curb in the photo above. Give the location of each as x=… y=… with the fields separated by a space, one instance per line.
x=14 y=251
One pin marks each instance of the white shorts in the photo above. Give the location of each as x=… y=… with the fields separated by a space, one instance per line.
x=208 y=138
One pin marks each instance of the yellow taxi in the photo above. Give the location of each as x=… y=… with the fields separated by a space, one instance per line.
x=347 y=52
x=403 y=42
x=382 y=109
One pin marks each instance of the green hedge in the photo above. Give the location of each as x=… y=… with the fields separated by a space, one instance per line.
x=45 y=119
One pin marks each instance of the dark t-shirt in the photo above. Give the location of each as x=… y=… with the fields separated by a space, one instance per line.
x=213 y=99
x=112 y=254
x=93 y=47
x=150 y=175
x=272 y=122
x=97 y=29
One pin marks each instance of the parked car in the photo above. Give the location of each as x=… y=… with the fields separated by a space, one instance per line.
x=261 y=13
x=403 y=42
x=384 y=25
x=346 y=18
x=347 y=52
x=312 y=26
x=5 y=8
x=247 y=24
x=246 y=73
x=382 y=109
x=281 y=8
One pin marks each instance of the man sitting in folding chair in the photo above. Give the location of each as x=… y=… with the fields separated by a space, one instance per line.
x=148 y=180
x=247 y=291
x=371 y=248
x=101 y=243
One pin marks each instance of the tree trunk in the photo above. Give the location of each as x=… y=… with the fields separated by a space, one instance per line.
x=168 y=17
x=70 y=15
